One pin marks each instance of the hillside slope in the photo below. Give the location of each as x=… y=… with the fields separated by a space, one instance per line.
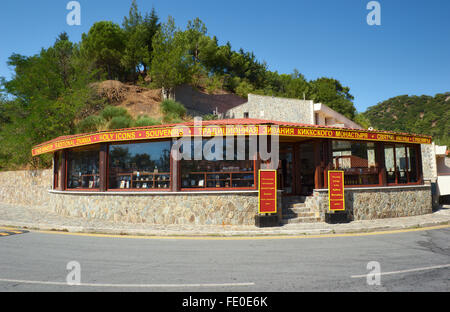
x=414 y=114
x=137 y=100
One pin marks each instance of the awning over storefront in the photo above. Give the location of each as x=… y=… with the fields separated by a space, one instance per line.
x=227 y=127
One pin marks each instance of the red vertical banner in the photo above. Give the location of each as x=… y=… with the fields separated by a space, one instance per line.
x=267 y=202
x=336 y=196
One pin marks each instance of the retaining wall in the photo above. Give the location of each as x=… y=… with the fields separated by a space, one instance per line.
x=378 y=202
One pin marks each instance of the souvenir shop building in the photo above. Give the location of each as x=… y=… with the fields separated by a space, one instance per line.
x=129 y=175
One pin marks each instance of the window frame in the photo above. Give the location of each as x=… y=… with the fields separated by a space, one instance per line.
x=137 y=190
x=377 y=164
x=396 y=172
x=66 y=162
x=253 y=159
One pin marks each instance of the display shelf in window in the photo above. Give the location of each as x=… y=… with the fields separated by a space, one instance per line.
x=144 y=180
x=225 y=180
x=90 y=181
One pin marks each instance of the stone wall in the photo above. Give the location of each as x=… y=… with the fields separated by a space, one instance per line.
x=275 y=108
x=429 y=162
x=228 y=208
x=199 y=103
x=28 y=187
x=202 y=209
x=33 y=189
x=378 y=203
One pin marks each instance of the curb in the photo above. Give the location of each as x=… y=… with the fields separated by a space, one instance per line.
x=231 y=233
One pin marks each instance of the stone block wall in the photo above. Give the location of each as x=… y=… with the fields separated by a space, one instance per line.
x=199 y=103
x=275 y=108
x=429 y=162
x=378 y=203
x=33 y=189
x=28 y=187
x=200 y=209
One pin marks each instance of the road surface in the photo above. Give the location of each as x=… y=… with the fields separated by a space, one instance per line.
x=408 y=261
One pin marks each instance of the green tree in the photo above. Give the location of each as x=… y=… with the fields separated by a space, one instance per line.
x=170 y=63
x=48 y=91
x=104 y=45
x=330 y=92
x=152 y=26
x=136 y=53
x=133 y=20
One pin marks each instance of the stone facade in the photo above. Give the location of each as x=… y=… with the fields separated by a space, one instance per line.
x=378 y=203
x=275 y=108
x=429 y=162
x=201 y=209
x=32 y=188
x=29 y=187
x=199 y=103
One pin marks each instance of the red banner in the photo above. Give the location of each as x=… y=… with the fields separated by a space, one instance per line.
x=267 y=191
x=219 y=130
x=336 y=196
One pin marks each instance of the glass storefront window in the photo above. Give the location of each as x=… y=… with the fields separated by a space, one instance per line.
x=225 y=172
x=412 y=164
x=389 y=163
x=357 y=160
x=401 y=164
x=56 y=169
x=83 y=169
x=139 y=166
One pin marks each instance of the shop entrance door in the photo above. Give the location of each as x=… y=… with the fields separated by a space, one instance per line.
x=297 y=169
x=306 y=164
x=286 y=169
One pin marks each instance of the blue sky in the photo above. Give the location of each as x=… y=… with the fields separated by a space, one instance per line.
x=409 y=53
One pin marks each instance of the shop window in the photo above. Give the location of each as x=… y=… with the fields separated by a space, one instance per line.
x=229 y=171
x=139 y=166
x=83 y=169
x=412 y=165
x=357 y=160
x=389 y=161
x=401 y=164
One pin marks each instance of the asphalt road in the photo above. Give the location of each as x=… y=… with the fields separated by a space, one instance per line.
x=38 y=262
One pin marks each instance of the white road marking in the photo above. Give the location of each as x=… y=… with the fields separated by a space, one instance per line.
x=126 y=285
x=406 y=271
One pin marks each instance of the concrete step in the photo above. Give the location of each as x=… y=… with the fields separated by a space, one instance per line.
x=301 y=220
x=299 y=209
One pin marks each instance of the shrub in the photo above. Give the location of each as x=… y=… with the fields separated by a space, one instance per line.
x=144 y=121
x=171 y=118
x=114 y=111
x=90 y=124
x=210 y=117
x=173 y=109
x=214 y=83
x=120 y=122
x=244 y=89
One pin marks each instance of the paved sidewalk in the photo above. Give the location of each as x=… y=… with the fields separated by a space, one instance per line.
x=41 y=219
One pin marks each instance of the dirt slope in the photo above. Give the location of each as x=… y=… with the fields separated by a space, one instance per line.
x=137 y=100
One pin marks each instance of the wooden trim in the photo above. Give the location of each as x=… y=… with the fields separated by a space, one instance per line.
x=419 y=163
x=83 y=190
x=317 y=163
x=140 y=190
x=63 y=181
x=103 y=167
x=218 y=188
x=381 y=163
